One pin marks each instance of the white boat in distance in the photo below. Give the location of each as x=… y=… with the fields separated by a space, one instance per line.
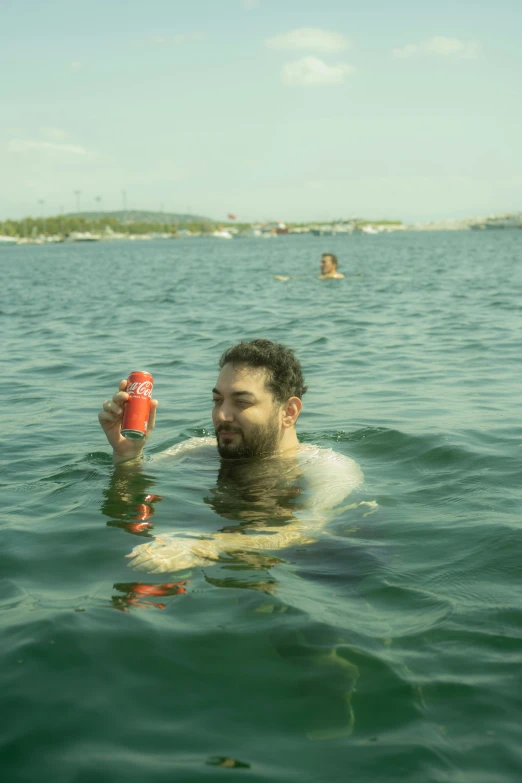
x=222 y=234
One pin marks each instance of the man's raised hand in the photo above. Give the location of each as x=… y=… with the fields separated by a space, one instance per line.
x=110 y=418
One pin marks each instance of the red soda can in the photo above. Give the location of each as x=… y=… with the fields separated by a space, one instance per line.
x=137 y=408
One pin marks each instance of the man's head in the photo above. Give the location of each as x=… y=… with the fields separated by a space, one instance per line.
x=328 y=264
x=257 y=399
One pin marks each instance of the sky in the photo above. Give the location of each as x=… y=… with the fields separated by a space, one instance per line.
x=292 y=110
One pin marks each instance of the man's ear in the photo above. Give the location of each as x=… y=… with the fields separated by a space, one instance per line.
x=291 y=410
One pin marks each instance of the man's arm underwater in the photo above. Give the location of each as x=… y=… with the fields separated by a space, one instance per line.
x=178 y=551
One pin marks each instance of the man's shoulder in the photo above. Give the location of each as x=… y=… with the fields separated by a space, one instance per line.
x=329 y=475
x=192 y=446
x=316 y=459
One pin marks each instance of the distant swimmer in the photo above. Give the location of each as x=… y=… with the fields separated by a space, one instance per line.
x=329 y=267
x=278 y=492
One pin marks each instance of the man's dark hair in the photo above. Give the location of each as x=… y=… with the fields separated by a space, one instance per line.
x=284 y=374
x=331 y=255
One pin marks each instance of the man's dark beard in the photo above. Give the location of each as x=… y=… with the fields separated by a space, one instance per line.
x=261 y=441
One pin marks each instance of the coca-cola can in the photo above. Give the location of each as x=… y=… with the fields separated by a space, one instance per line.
x=137 y=408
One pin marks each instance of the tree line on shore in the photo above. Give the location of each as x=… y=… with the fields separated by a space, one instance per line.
x=68 y=224
x=63 y=225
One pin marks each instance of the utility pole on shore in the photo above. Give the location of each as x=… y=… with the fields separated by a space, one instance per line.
x=98 y=201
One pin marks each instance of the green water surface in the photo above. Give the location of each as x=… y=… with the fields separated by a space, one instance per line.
x=390 y=649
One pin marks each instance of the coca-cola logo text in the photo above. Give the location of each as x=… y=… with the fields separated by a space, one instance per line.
x=143 y=389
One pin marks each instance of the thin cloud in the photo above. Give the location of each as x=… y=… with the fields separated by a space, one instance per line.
x=439 y=46
x=313 y=39
x=25 y=145
x=313 y=72
x=249 y=4
x=58 y=134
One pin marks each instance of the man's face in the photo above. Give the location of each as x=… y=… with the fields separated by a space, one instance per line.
x=246 y=418
x=327 y=265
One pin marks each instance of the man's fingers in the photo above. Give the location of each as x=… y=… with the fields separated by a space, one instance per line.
x=112 y=410
x=106 y=417
x=123 y=384
x=112 y=407
x=120 y=398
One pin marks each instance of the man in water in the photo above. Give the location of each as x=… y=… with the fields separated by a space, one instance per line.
x=257 y=400
x=329 y=267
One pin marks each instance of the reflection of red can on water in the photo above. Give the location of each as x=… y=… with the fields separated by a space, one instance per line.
x=137 y=408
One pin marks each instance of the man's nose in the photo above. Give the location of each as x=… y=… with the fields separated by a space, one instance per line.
x=225 y=413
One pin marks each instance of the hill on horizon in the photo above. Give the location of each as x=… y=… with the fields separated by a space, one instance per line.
x=143 y=216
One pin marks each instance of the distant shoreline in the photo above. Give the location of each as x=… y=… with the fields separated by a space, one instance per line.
x=140 y=225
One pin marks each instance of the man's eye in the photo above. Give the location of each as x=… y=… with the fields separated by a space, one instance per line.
x=215 y=400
